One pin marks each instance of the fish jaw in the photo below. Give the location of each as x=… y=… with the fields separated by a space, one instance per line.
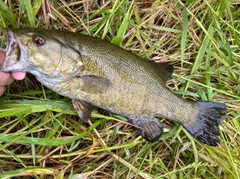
x=16 y=58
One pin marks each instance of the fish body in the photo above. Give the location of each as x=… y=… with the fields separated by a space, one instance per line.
x=94 y=72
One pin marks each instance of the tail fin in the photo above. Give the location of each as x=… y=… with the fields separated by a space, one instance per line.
x=205 y=128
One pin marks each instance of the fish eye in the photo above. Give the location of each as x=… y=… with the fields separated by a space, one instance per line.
x=38 y=41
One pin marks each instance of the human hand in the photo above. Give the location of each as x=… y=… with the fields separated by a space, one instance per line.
x=8 y=78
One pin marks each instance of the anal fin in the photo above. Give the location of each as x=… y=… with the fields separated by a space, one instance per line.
x=149 y=127
x=83 y=109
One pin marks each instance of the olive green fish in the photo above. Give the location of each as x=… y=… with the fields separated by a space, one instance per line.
x=94 y=72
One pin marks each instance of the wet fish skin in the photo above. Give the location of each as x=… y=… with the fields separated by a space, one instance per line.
x=94 y=72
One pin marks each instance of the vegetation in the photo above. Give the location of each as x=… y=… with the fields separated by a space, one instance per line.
x=41 y=135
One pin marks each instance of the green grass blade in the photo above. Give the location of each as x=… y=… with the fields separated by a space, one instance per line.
x=184 y=34
x=43 y=141
x=8 y=14
x=28 y=171
x=36 y=7
x=30 y=13
x=121 y=31
x=203 y=48
x=189 y=2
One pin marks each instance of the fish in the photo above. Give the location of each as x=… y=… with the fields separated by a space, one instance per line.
x=94 y=72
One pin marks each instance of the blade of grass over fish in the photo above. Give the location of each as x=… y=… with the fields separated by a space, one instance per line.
x=6 y=11
x=184 y=34
x=30 y=14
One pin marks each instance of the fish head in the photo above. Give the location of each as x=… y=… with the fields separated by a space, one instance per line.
x=44 y=53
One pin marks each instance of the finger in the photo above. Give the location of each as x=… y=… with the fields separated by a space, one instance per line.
x=19 y=75
x=5 y=79
x=2 y=56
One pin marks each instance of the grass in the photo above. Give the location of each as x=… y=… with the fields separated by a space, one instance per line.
x=41 y=135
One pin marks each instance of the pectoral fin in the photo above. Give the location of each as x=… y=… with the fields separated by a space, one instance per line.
x=149 y=127
x=83 y=109
x=95 y=84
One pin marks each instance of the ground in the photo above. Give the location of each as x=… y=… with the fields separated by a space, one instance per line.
x=41 y=135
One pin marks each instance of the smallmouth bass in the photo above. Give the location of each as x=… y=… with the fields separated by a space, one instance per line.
x=94 y=72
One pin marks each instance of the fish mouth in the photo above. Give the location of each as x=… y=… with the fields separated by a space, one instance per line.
x=15 y=54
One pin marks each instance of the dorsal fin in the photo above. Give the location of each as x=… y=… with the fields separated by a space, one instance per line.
x=163 y=70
